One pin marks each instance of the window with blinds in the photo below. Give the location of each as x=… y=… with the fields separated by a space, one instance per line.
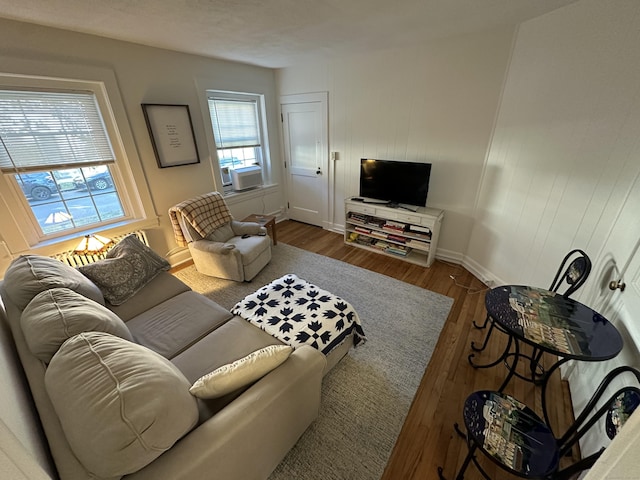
x=57 y=149
x=51 y=129
x=237 y=131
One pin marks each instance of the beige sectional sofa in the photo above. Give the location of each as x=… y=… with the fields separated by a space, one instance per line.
x=138 y=420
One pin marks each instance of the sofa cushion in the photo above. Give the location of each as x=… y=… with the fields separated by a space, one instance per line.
x=242 y=372
x=57 y=314
x=29 y=275
x=233 y=340
x=128 y=267
x=120 y=404
x=161 y=288
x=174 y=325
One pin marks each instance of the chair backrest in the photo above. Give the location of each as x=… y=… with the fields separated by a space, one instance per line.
x=617 y=409
x=620 y=409
x=573 y=272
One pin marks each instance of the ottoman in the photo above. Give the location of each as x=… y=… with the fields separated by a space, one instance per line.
x=297 y=313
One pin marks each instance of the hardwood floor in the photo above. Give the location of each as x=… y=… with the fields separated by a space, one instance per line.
x=428 y=439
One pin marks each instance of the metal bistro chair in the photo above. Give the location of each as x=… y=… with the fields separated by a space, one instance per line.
x=572 y=273
x=520 y=442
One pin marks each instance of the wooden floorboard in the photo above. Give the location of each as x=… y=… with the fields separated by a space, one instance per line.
x=427 y=439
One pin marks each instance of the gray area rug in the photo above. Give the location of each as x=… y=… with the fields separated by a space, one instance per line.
x=366 y=397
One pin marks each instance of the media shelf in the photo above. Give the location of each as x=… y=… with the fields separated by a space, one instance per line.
x=395 y=232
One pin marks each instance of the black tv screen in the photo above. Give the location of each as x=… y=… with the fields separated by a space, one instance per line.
x=394 y=181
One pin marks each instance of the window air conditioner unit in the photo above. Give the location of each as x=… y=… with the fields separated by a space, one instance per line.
x=246 y=177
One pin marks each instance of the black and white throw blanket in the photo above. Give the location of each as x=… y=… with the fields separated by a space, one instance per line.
x=298 y=313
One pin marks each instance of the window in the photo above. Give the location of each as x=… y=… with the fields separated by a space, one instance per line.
x=55 y=146
x=237 y=130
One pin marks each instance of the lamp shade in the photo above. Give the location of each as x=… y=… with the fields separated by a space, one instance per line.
x=93 y=244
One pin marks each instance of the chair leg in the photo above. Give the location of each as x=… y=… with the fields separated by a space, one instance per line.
x=486 y=339
x=500 y=359
x=486 y=320
x=463 y=468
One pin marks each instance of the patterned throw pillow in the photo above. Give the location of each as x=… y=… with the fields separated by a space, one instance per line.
x=128 y=267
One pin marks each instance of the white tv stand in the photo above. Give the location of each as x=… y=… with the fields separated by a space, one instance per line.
x=394 y=232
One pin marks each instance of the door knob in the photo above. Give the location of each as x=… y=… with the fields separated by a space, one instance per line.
x=319 y=172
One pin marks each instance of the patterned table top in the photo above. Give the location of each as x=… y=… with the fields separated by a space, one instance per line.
x=556 y=324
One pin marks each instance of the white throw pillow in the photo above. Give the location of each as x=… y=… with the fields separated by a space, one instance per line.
x=244 y=371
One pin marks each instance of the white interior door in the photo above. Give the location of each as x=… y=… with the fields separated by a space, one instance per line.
x=306 y=150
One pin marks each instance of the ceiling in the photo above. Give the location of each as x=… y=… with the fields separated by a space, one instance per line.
x=276 y=33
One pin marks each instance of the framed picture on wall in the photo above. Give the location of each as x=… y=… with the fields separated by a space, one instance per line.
x=171 y=131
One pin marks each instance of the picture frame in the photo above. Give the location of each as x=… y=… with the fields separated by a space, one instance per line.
x=171 y=132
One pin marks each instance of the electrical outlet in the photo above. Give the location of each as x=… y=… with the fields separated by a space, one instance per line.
x=488 y=283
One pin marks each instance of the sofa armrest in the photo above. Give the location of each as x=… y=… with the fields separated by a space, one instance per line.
x=249 y=437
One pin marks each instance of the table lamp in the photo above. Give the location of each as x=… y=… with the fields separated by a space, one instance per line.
x=92 y=244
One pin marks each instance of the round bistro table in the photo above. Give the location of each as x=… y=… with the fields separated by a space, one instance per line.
x=551 y=323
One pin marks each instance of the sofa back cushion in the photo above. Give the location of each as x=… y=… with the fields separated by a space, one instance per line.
x=120 y=405
x=29 y=275
x=57 y=314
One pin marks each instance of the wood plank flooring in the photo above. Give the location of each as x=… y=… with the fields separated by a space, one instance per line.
x=428 y=439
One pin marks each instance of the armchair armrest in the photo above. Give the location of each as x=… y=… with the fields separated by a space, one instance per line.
x=207 y=246
x=247 y=228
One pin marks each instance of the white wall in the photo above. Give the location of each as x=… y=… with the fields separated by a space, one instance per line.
x=562 y=169
x=434 y=103
x=150 y=75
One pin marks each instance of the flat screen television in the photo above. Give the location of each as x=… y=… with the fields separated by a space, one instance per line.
x=395 y=182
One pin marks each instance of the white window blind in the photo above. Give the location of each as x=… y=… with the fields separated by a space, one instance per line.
x=235 y=123
x=51 y=130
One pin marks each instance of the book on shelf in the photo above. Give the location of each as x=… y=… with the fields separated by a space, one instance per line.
x=375 y=222
x=394 y=224
x=379 y=235
x=362 y=229
x=419 y=244
x=396 y=238
x=379 y=244
x=402 y=253
x=422 y=236
x=356 y=217
x=419 y=229
x=389 y=229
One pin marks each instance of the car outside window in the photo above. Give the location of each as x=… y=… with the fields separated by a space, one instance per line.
x=73 y=198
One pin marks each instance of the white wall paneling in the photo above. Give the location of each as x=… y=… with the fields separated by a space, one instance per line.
x=434 y=103
x=563 y=164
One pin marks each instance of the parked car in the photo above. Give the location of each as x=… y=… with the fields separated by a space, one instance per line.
x=96 y=181
x=41 y=185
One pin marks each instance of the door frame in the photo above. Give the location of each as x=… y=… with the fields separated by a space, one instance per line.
x=323 y=99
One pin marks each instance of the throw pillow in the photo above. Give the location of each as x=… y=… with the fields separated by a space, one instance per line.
x=29 y=275
x=120 y=404
x=244 y=371
x=128 y=267
x=57 y=314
